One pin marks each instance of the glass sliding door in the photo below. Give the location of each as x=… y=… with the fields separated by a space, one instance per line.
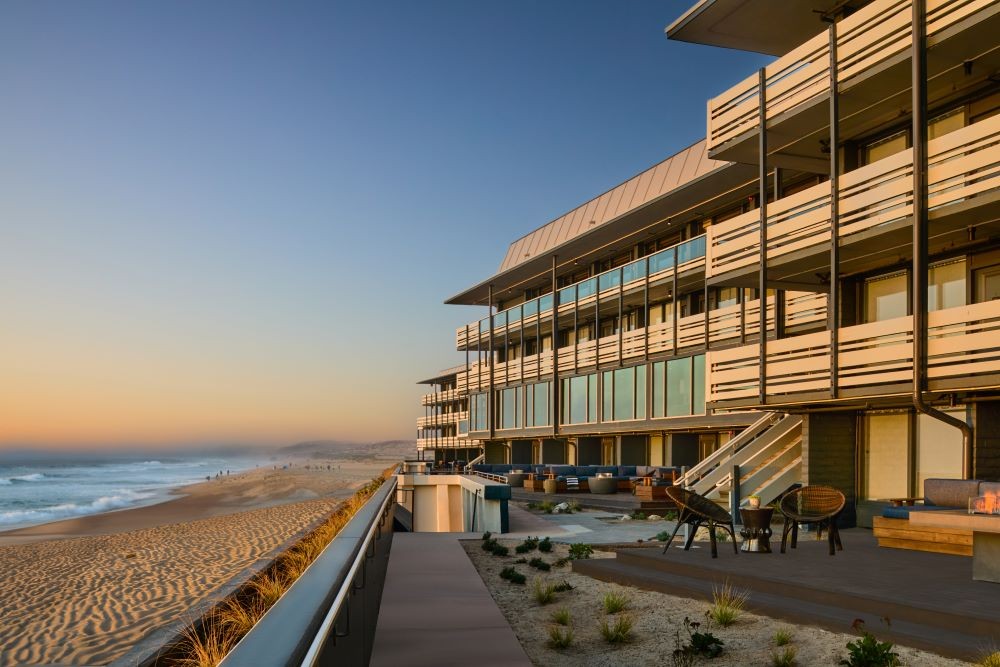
x=939 y=449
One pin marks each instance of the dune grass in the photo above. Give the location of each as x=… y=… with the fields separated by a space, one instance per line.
x=205 y=644
x=728 y=603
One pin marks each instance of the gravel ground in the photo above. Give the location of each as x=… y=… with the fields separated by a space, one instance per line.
x=658 y=621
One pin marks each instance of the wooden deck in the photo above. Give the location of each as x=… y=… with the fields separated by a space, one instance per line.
x=931 y=598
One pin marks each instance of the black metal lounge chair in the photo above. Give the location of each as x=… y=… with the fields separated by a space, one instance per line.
x=695 y=510
x=819 y=505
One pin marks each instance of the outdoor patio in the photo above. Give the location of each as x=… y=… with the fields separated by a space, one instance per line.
x=931 y=599
x=622 y=502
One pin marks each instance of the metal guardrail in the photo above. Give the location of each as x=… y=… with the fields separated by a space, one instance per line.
x=328 y=616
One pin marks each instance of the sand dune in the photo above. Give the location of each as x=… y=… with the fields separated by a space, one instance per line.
x=87 y=599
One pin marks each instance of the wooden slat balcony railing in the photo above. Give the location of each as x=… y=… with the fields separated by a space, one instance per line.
x=437 y=397
x=963 y=353
x=451 y=441
x=442 y=419
x=962 y=165
x=867 y=38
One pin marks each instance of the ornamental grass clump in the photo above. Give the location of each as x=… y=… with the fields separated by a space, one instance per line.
x=614 y=602
x=991 y=659
x=560 y=637
x=784 y=658
x=542 y=592
x=618 y=632
x=782 y=637
x=539 y=564
x=728 y=604
x=560 y=616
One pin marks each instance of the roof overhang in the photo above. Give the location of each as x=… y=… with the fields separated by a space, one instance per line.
x=446 y=374
x=691 y=200
x=774 y=27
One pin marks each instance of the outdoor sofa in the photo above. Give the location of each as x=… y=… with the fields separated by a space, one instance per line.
x=894 y=530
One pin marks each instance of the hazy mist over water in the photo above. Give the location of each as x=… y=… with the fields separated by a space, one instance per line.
x=38 y=487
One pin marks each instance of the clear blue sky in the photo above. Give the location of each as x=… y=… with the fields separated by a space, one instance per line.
x=236 y=221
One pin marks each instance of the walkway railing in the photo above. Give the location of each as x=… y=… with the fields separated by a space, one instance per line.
x=329 y=614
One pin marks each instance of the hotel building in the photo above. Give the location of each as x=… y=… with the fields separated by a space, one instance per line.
x=811 y=294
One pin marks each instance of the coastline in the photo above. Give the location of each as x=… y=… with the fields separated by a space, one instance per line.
x=87 y=590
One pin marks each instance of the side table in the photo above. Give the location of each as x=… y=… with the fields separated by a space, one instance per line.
x=756 y=529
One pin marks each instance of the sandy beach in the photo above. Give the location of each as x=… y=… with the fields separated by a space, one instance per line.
x=86 y=590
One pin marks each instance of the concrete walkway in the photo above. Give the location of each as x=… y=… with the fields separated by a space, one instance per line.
x=436 y=610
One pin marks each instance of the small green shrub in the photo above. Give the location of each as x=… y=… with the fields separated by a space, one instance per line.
x=545 y=546
x=614 y=602
x=521 y=561
x=561 y=562
x=727 y=604
x=487 y=535
x=783 y=637
x=638 y=516
x=512 y=575
x=529 y=544
x=670 y=515
x=699 y=644
x=561 y=616
x=500 y=550
x=721 y=536
x=618 y=632
x=662 y=536
x=580 y=551
x=532 y=505
x=539 y=564
x=560 y=637
x=547 y=507
x=489 y=544
x=784 y=657
x=563 y=587
x=542 y=592
x=868 y=651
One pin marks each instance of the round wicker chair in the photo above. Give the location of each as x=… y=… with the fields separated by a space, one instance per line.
x=694 y=510
x=818 y=505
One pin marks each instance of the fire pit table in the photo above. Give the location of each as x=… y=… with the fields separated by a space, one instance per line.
x=756 y=531
x=985 y=537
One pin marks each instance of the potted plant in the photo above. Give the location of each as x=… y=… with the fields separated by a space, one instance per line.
x=754 y=502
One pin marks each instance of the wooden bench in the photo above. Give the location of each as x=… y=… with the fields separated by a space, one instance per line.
x=901 y=534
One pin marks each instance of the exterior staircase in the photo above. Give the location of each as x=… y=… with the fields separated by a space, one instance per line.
x=764 y=460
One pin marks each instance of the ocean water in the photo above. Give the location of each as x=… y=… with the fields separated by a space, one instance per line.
x=34 y=491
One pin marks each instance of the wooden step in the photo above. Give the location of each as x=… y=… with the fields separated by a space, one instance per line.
x=901 y=534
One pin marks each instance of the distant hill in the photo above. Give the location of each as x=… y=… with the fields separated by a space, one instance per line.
x=394 y=450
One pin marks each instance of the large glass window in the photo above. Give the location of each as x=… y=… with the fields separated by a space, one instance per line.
x=540 y=404
x=698 y=385
x=659 y=388
x=886 y=297
x=883 y=148
x=640 y=392
x=608 y=396
x=624 y=394
x=509 y=408
x=946 y=285
x=988 y=284
x=480 y=413
x=679 y=387
x=578 y=398
x=887 y=446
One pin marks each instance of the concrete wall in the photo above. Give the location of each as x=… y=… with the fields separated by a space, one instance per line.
x=454 y=503
x=987 y=440
x=828 y=456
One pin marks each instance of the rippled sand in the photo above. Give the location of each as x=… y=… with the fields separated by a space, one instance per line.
x=89 y=599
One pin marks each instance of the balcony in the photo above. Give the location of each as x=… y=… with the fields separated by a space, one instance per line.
x=873 y=74
x=438 y=397
x=875 y=359
x=802 y=311
x=875 y=201
x=442 y=419
x=447 y=442
x=685 y=258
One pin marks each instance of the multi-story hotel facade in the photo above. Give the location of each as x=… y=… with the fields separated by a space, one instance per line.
x=628 y=331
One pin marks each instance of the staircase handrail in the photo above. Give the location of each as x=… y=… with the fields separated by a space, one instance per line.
x=773 y=437
x=478 y=459
x=710 y=462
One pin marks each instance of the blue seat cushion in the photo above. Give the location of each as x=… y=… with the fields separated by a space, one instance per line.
x=626 y=471
x=501 y=468
x=562 y=469
x=611 y=469
x=483 y=467
x=903 y=511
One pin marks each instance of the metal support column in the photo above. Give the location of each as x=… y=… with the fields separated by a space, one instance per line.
x=833 y=303
x=645 y=313
x=554 y=393
x=762 y=207
x=920 y=234
x=621 y=314
x=491 y=407
x=674 y=301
